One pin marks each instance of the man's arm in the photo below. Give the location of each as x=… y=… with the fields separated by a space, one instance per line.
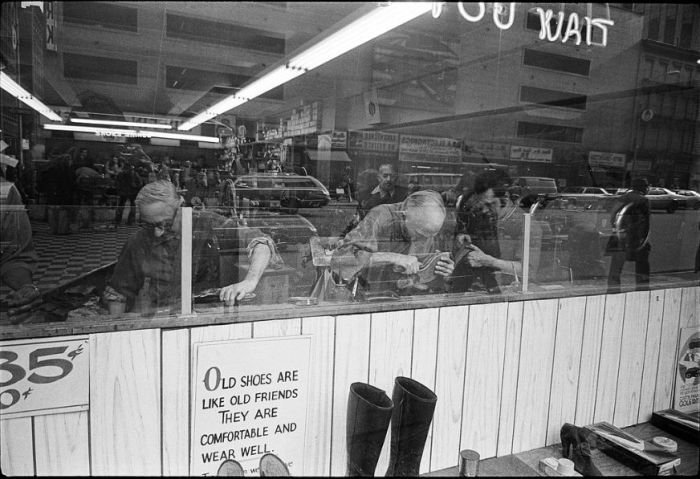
x=259 y=259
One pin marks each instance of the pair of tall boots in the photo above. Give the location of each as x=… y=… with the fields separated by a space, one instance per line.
x=410 y=412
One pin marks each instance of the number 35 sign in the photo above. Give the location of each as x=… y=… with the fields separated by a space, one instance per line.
x=43 y=377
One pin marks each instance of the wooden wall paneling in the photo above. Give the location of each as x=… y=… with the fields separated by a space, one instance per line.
x=651 y=356
x=175 y=381
x=320 y=409
x=449 y=386
x=277 y=327
x=535 y=374
x=629 y=381
x=423 y=361
x=690 y=307
x=125 y=413
x=566 y=364
x=61 y=444
x=220 y=332
x=16 y=447
x=666 y=372
x=609 y=358
x=509 y=389
x=486 y=340
x=590 y=359
x=352 y=336
x=391 y=342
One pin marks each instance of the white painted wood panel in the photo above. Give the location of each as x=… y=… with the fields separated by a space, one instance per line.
x=449 y=386
x=535 y=374
x=61 y=444
x=486 y=339
x=389 y=356
x=690 y=307
x=609 y=358
x=125 y=413
x=590 y=359
x=666 y=372
x=277 y=328
x=629 y=380
x=651 y=355
x=175 y=381
x=509 y=389
x=423 y=361
x=16 y=447
x=565 y=369
x=352 y=335
x=320 y=408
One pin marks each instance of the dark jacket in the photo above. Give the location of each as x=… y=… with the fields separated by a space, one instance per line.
x=630 y=222
x=128 y=183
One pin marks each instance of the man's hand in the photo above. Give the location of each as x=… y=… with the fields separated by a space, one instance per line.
x=477 y=258
x=24 y=295
x=445 y=266
x=407 y=264
x=236 y=292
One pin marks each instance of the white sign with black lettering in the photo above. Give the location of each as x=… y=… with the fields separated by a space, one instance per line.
x=249 y=398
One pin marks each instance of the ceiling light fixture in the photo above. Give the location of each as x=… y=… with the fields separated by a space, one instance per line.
x=91 y=121
x=13 y=88
x=377 y=22
x=131 y=133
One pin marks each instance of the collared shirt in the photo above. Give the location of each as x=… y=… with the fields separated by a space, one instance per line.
x=382 y=230
x=158 y=259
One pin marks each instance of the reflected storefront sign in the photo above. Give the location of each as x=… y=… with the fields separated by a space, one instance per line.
x=530 y=153
x=606 y=159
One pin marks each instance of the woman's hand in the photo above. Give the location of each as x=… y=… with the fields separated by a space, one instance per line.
x=445 y=266
x=236 y=292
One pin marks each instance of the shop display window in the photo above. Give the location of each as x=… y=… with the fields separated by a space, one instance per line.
x=433 y=163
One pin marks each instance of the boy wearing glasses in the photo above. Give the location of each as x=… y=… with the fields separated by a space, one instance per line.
x=153 y=253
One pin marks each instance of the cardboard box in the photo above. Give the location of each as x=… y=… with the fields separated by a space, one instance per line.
x=642 y=456
x=685 y=426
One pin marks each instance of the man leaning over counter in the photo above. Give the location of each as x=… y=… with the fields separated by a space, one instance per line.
x=152 y=255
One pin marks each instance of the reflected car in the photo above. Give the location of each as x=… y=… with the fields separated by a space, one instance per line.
x=665 y=199
x=692 y=198
x=281 y=192
x=584 y=195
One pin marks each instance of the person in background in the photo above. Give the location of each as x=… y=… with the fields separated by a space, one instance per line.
x=367 y=180
x=17 y=255
x=113 y=167
x=477 y=224
x=128 y=185
x=387 y=191
x=630 y=240
x=390 y=246
x=152 y=254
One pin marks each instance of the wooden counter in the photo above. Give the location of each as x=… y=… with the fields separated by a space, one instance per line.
x=507 y=375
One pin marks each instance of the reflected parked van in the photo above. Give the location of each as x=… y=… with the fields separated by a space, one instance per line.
x=540 y=186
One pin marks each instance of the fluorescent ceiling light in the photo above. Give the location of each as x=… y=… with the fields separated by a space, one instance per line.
x=368 y=27
x=91 y=121
x=13 y=88
x=131 y=133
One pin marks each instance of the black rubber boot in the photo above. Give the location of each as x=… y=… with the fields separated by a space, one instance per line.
x=414 y=405
x=369 y=413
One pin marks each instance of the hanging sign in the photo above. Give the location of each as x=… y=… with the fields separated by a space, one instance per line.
x=687 y=390
x=531 y=153
x=249 y=398
x=40 y=377
x=429 y=149
x=50 y=26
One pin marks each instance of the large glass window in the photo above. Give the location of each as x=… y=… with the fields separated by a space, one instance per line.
x=280 y=158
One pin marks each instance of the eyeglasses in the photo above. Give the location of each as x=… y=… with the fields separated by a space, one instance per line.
x=164 y=225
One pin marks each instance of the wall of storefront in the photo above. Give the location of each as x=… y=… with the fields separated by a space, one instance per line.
x=507 y=376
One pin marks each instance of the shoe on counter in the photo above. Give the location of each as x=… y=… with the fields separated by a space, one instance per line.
x=272 y=466
x=576 y=443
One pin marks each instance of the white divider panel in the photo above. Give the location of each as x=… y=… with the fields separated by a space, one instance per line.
x=565 y=370
x=590 y=359
x=535 y=374
x=449 y=386
x=609 y=358
x=391 y=337
x=319 y=413
x=511 y=367
x=16 y=448
x=175 y=383
x=486 y=337
x=125 y=426
x=666 y=372
x=425 y=340
x=629 y=381
x=61 y=444
x=651 y=356
x=352 y=335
